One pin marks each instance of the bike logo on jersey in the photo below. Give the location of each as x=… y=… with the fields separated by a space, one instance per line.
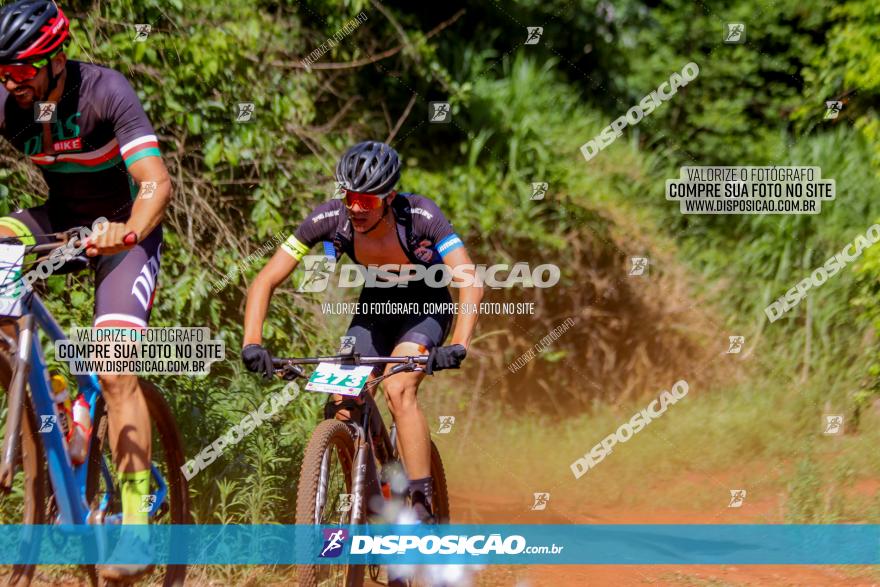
x=66 y=136
x=67 y=145
x=333 y=541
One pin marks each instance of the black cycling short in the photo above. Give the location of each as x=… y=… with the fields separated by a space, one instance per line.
x=125 y=283
x=378 y=334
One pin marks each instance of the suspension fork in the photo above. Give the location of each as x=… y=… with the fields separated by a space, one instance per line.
x=366 y=482
x=382 y=444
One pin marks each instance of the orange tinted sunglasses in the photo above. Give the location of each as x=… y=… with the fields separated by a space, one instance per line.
x=24 y=72
x=365 y=201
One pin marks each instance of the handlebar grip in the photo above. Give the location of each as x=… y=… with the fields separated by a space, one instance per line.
x=129 y=239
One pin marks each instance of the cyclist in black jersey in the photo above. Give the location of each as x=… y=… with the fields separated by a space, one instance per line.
x=374 y=225
x=100 y=158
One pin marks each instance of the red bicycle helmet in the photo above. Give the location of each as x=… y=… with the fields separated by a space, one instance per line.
x=31 y=29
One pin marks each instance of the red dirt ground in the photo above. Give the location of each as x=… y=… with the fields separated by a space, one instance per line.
x=474 y=509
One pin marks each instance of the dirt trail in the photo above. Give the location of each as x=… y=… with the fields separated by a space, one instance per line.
x=477 y=508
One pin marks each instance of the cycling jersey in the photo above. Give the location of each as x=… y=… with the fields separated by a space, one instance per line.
x=100 y=129
x=125 y=283
x=423 y=231
x=426 y=237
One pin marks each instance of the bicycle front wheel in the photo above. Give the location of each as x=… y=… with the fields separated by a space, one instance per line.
x=33 y=480
x=325 y=476
x=167 y=457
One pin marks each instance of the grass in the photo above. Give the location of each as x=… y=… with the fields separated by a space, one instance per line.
x=763 y=436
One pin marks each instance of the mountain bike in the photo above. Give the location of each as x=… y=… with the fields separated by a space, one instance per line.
x=54 y=489
x=352 y=472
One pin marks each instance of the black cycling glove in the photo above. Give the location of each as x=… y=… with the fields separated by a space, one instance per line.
x=445 y=357
x=258 y=360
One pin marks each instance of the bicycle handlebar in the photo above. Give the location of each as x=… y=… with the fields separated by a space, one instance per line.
x=354 y=359
x=129 y=239
x=290 y=368
x=60 y=240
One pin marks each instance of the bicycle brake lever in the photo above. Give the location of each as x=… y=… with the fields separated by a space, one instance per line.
x=291 y=372
x=405 y=368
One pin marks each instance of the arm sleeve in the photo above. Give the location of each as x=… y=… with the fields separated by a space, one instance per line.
x=431 y=222
x=319 y=225
x=123 y=109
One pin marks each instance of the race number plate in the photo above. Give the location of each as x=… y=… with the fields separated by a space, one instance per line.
x=341 y=379
x=11 y=287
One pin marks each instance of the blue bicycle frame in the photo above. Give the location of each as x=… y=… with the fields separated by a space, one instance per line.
x=68 y=480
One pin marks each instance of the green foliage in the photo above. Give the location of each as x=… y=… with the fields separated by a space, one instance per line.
x=847 y=68
x=520 y=115
x=732 y=112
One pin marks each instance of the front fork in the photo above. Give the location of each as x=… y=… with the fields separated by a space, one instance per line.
x=366 y=483
x=372 y=445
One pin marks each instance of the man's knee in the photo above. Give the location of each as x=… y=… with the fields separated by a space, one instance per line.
x=401 y=395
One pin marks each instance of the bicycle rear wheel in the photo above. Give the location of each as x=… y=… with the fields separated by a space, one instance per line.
x=167 y=456
x=325 y=475
x=33 y=479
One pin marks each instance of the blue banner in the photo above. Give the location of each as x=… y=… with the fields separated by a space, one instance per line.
x=447 y=544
